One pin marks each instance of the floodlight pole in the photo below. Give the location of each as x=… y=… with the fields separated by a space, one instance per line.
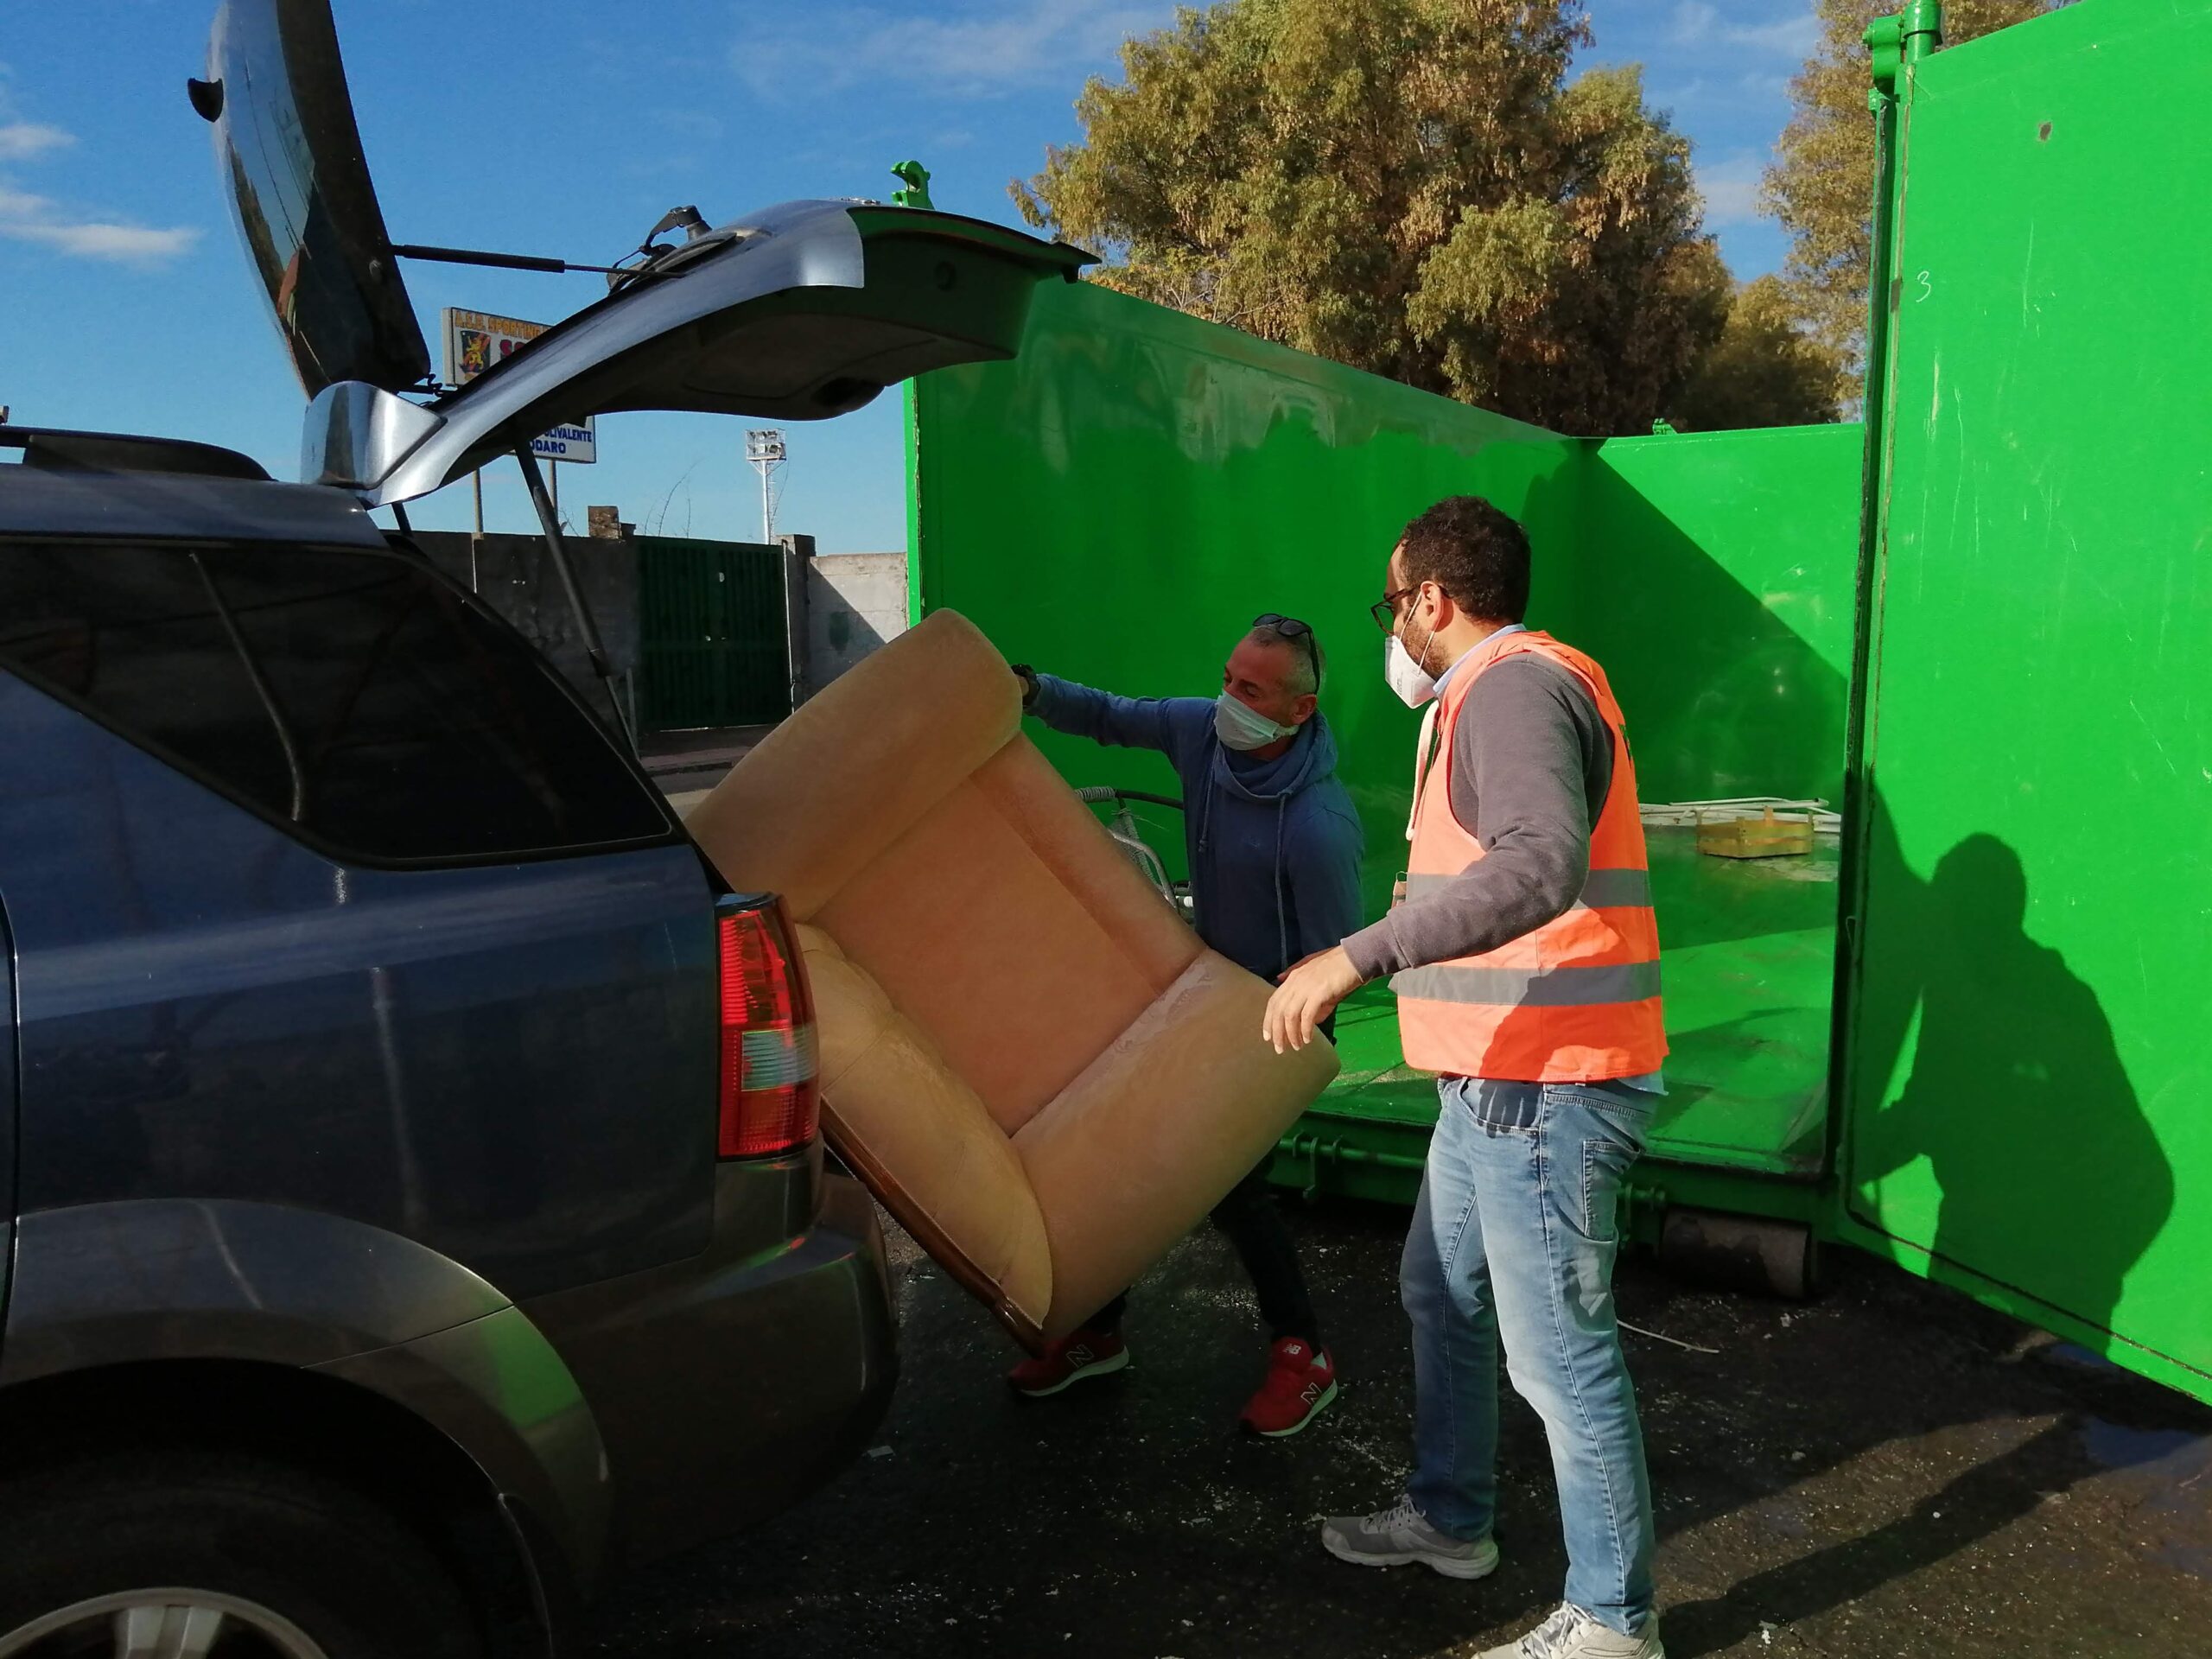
x=766 y=451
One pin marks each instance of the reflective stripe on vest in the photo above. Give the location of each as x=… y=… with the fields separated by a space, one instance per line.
x=1532 y=988
x=1576 y=999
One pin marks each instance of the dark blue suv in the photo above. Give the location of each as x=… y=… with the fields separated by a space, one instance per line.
x=410 y=1140
x=414 y=1160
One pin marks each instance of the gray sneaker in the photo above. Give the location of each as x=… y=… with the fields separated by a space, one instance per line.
x=1570 y=1633
x=1394 y=1536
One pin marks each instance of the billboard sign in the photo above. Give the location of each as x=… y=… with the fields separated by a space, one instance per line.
x=576 y=443
x=475 y=340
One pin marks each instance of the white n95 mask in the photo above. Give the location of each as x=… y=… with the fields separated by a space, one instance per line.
x=1413 y=683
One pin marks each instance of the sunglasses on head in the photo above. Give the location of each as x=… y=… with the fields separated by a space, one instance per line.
x=1291 y=628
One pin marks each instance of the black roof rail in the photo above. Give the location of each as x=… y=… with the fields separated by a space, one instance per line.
x=52 y=450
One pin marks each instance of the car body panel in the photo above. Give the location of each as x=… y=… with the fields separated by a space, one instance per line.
x=59 y=449
x=729 y=1387
x=7 y=1116
x=289 y=155
x=513 y=1064
x=799 y=311
x=102 y=1284
x=806 y=311
x=37 y=502
x=497 y=1389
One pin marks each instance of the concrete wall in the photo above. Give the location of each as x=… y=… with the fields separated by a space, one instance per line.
x=516 y=575
x=855 y=602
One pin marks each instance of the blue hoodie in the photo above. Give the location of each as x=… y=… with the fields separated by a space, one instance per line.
x=1274 y=845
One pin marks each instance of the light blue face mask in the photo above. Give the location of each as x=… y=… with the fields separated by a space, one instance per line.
x=1240 y=726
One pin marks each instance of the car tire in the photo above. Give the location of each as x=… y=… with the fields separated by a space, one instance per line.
x=287 y=1565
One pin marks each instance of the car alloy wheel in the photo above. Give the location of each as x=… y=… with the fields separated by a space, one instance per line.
x=166 y=1624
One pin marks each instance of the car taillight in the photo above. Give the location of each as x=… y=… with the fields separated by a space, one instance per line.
x=770 y=1096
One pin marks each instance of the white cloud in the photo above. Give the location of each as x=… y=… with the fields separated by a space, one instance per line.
x=47 y=222
x=1004 y=45
x=1795 y=36
x=26 y=216
x=1697 y=22
x=1731 y=189
x=1756 y=85
x=20 y=140
x=132 y=244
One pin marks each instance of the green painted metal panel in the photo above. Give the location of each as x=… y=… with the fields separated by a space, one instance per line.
x=1749 y=965
x=1120 y=500
x=1716 y=574
x=714 y=648
x=2028 y=1016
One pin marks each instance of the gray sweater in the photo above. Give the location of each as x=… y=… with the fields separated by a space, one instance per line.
x=1531 y=763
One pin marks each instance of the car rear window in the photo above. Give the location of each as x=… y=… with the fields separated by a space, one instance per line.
x=356 y=698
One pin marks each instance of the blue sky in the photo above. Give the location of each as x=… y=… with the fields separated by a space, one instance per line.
x=565 y=128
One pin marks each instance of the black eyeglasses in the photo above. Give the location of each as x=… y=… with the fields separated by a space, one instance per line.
x=1291 y=628
x=1385 y=609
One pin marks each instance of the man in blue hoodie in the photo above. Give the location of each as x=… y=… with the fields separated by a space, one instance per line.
x=1274 y=851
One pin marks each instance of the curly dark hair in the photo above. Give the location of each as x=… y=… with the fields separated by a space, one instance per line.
x=1475 y=553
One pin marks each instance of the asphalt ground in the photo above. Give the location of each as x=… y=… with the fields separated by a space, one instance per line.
x=1886 y=1471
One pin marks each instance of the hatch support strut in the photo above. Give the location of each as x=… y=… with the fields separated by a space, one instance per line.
x=496 y=261
x=534 y=480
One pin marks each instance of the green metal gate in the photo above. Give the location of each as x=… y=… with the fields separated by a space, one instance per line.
x=714 y=647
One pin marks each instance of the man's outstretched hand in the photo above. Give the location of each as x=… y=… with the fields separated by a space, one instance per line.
x=1309 y=994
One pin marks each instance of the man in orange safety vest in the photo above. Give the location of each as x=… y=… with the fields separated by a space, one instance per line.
x=1526 y=961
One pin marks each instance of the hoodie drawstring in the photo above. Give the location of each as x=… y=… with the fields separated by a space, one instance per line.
x=1283 y=916
x=1217 y=778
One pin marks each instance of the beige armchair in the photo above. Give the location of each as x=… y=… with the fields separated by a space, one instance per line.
x=1026 y=1052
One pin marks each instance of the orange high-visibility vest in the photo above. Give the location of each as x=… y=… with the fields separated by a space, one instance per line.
x=1577 y=1000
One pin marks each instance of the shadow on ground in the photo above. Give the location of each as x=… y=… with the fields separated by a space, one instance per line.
x=1889 y=1470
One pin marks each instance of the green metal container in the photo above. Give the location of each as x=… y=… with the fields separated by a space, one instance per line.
x=1985 y=630
x=1118 y=502
x=2029 y=1006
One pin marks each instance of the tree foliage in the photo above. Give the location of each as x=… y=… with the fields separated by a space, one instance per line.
x=1764 y=371
x=1410 y=187
x=1821 y=187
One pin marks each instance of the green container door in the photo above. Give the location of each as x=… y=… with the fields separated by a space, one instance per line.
x=713 y=646
x=2028 y=1112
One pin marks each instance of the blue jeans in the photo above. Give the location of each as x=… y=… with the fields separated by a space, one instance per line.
x=1514 y=1237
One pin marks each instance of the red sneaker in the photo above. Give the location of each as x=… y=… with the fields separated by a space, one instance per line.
x=1067 y=1361
x=1301 y=1385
